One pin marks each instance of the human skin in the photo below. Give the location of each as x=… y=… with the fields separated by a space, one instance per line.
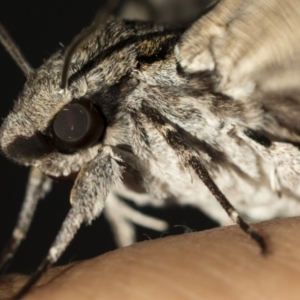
x=221 y=263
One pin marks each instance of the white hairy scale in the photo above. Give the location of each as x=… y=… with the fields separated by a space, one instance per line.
x=217 y=112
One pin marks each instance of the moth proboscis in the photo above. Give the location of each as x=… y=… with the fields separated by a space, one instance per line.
x=144 y=110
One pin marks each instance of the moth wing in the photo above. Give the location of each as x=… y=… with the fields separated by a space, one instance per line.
x=253 y=47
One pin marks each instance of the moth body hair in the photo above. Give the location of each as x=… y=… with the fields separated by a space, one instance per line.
x=187 y=116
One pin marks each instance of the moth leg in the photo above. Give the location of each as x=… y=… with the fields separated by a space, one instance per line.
x=190 y=158
x=121 y=215
x=122 y=218
x=95 y=180
x=37 y=187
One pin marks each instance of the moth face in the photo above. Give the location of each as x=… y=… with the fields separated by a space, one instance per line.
x=49 y=126
x=58 y=130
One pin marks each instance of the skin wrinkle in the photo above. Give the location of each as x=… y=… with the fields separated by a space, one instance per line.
x=157 y=280
x=231 y=281
x=225 y=281
x=151 y=272
x=157 y=273
x=270 y=277
x=182 y=293
x=171 y=270
x=116 y=284
x=143 y=269
x=225 y=263
x=217 y=258
x=287 y=262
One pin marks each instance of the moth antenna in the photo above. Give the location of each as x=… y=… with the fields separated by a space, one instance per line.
x=15 y=53
x=37 y=187
x=79 y=40
x=190 y=159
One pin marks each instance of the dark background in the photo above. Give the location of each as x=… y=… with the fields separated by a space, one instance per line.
x=38 y=26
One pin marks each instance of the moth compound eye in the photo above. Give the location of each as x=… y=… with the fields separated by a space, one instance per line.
x=78 y=125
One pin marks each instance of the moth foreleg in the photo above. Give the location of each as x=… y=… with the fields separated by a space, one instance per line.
x=37 y=187
x=95 y=180
x=203 y=174
x=123 y=218
x=188 y=156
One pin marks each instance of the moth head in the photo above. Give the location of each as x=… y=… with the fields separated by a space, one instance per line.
x=61 y=117
x=75 y=102
x=47 y=120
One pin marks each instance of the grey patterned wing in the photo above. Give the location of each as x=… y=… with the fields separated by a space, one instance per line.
x=253 y=47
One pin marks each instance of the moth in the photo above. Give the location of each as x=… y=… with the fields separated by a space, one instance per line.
x=206 y=116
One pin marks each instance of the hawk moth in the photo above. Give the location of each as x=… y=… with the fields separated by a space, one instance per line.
x=172 y=106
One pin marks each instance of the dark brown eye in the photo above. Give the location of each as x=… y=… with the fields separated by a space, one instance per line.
x=78 y=125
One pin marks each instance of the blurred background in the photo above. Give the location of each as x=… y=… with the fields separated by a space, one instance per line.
x=38 y=27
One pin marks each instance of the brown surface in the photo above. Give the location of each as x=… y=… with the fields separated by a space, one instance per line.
x=215 y=264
